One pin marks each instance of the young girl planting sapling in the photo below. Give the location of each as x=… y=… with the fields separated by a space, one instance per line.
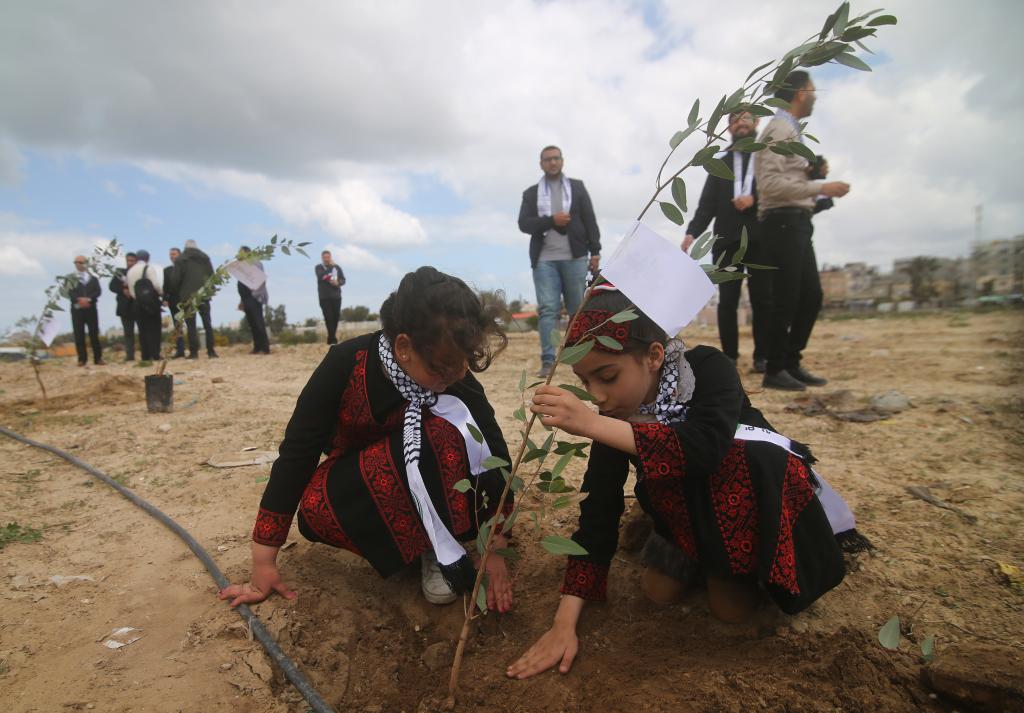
x=395 y=412
x=730 y=498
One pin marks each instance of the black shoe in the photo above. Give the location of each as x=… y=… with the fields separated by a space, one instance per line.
x=192 y=356
x=783 y=381
x=801 y=374
x=212 y=355
x=759 y=367
x=545 y=369
x=177 y=356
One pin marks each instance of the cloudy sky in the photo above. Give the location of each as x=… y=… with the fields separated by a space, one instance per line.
x=403 y=133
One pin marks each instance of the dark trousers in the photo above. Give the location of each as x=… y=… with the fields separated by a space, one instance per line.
x=193 y=334
x=128 y=326
x=758 y=289
x=257 y=324
x=331 y=308
x=80 y=319
x=149 y=335
x=179 y=341
x=796 y=286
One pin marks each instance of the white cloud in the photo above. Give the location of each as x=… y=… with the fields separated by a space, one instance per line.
x=354 y=257
x=113 y=189
x=14 y=261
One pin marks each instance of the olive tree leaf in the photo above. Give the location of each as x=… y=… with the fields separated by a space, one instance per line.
x=777 y=103
x=723 y=276
x=851 y=60
x=756 y=266
x=626 y=315
x=508 y=553
x=703 y=245
x=738 y=256
x=717 y=167
x=693 y=117
x=679 y=193
x=681 y=136
x=571 y=355
x=577 y=391
x=734 y=99
x=842 y=17
x=491 y=462
x=562 y=546
x=882 y=20
x=801 y=150
x=481 y=595
x=757 y=69
x=780 y=149
x=534 y=455
x=704 y=154
x=609 y=343
x=463 y=485
x=560 y=465
x=672 y=213
x=889 y=634
x=519 y=414
x=928 y=649
x=522 y=381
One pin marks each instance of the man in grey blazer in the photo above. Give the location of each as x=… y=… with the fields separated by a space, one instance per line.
x=559 y=218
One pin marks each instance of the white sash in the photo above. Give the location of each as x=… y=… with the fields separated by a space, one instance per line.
x=742 y=185
x=544 y=196
x=839 y=515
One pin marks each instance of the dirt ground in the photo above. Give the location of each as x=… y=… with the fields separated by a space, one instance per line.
x=370 y=644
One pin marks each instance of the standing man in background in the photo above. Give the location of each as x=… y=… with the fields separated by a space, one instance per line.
x=252 y=303
x=191 y=270
x=125 y=308
x=559 y=218
x=786 y=199
x=145 y=287
x=733 y=207
x=171 y=303
x=329 y=281
x=84 y=314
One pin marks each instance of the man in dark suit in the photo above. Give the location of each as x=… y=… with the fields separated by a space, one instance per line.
x=125 y=309
x=329 y=281
x=171 y=303
x=191 y=270
x=733 y=206
x=558 y=216
x=83 y=312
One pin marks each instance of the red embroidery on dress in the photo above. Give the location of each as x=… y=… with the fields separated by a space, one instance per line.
x=664 y=465
x=732 y=496
x=449 y=447
x=356 y=425
x=597 y=320
x=271 y=528
x=316 y=508
x=586 y=580
x=392 y=499
x=797 y=492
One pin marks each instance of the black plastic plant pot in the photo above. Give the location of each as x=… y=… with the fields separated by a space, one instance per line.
x=160 y=393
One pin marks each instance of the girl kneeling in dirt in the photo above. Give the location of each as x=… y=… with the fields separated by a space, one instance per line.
x=394 y=411
x=730 y=498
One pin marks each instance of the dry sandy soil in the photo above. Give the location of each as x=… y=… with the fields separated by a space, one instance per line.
x=375 y=645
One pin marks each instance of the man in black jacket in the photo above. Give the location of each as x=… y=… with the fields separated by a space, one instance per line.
x=171 y=302
x=83 y=312
x=191 y=270
x=733 y=206
x=559 y=218
x=252 y=303
x=125 y=309
x=329 y=280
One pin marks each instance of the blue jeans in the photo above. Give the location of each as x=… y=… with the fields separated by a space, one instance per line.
x=555 y=280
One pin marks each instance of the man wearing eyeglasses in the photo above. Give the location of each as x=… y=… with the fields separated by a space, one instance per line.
x=558 y=216
x=84 y=294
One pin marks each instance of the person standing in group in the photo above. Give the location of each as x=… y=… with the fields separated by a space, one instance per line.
x=190 y=273
x=558 y=216
x=145 y=287
x=329 y=281
x=786 y=199
x=171 y=303
x=733 y=207
x=125 y=309
x=252 y=303
x=83 y=296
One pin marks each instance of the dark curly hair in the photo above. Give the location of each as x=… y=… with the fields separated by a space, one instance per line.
x=444 y=318
x=642 y=331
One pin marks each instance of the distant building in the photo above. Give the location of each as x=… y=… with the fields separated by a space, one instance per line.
x=998 y=267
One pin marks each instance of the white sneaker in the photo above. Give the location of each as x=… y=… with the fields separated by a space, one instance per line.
x=435 y=589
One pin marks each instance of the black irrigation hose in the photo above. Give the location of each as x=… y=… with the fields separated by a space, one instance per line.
x=255 y=625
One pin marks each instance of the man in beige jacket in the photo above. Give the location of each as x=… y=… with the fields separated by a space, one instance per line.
x=786 y=197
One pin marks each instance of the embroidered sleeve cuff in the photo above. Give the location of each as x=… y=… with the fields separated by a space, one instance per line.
x=658 y=449
x=586 y=580
x=271 y=528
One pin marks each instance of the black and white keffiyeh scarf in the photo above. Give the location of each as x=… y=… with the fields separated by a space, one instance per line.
x=675 y=386
x=456 y=567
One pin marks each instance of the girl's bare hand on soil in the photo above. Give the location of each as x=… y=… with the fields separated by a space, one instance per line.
x=558 y=645
x=264 y=581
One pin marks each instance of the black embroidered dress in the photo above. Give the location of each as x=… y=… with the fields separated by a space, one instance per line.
x=736 y=507
x=358 y=497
